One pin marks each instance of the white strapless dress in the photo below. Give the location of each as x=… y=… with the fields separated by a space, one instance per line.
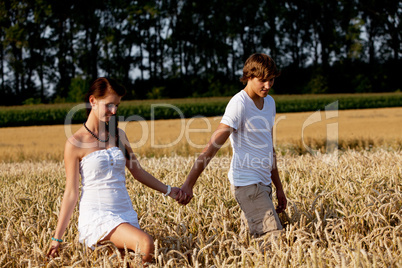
x=104 y=202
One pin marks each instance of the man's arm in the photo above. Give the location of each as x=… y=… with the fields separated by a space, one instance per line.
x=218 y=138
x=280 y=194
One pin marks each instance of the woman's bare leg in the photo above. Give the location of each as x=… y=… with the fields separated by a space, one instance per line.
x=134 y=239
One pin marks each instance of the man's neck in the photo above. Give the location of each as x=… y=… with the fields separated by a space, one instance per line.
x=258 y=101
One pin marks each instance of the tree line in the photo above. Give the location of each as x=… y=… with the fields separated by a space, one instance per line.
x=50 y=51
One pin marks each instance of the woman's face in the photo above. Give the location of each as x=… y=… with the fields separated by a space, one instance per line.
x=105 y=107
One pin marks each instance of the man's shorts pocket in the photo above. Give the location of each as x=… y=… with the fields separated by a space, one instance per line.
x=256 y=203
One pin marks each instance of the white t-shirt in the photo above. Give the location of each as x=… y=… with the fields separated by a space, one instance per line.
x=252 y=139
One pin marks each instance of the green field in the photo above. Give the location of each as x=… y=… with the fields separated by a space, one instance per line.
x=52 y=114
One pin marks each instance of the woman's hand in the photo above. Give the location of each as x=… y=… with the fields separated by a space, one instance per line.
x=176 y=193
x=54 y=249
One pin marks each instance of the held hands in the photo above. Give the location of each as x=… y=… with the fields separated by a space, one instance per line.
x=187 y=195
x=175 y=193
x=182 y=196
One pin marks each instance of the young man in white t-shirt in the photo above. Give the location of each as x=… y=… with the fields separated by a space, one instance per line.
x=248 y=121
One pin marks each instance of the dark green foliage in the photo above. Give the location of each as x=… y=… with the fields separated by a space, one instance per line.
x=187 y=108
x=177 y=49
x=344 y=102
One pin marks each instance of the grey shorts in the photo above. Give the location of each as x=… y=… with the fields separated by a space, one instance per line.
x=256 y=203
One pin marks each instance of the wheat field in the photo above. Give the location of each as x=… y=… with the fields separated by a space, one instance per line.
x=344 y=207
x=295 y=132
x=344 y=210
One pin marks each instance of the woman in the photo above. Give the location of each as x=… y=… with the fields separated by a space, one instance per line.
x=98 y=152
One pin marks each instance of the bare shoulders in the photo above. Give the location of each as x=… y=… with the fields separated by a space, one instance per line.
x=81 y=143
x=78 y=139
x=74 y=144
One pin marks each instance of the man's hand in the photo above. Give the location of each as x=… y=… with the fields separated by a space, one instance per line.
x=282 y=202
x=187 y=196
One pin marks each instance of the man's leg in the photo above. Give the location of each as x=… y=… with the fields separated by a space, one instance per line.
x=256 y=202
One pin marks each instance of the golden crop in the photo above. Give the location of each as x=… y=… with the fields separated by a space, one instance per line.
x=355 y=129
x=344 y=210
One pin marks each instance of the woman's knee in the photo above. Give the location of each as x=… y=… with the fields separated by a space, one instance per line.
x=144 y=243
x=146 y=247
x=147 y=244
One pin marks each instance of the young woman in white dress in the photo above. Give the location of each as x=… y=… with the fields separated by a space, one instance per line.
x=99 y=152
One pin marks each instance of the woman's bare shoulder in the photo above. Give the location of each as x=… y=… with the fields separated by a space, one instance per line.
x=76 y=144
x=76 y=139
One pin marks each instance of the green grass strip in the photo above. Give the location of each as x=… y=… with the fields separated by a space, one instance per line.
x=54 y=114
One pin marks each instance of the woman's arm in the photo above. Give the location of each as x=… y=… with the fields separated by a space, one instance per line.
x=70 y=196
x=141 y=175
